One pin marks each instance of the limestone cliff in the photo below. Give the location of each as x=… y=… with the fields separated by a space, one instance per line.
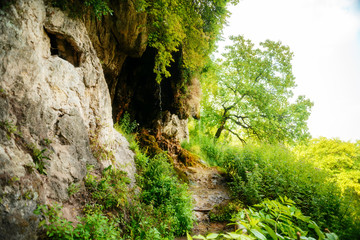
x=53 y=96
x=63 y=82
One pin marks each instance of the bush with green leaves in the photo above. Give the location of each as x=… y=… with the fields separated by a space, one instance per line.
x=257 y=172
x=126 y=126
x=162 y=189
x=39 y=157
x=275 y=220
x=10 y=128
x=188 y=26
x=98 y=8
x=270 y=171
x=111 y=189
x=91 y=226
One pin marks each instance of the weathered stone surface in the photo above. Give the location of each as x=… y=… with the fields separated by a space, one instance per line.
x=116 y=37
x=174 y=127
x=53 y=91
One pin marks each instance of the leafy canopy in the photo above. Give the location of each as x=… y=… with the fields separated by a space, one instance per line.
x=248 y=93
x=341 y=159
x=191 y=26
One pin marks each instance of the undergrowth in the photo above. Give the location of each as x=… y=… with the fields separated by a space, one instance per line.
x=272 y=219
x=257 y=172
x=159 y=207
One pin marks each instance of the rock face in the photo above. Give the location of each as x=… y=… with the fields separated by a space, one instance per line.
x=116 y=37
x=55 y=111
x=173 y=127
x=62 y=83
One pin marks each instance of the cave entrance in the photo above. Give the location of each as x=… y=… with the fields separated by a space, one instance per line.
x=138 y=93
x=64 y=47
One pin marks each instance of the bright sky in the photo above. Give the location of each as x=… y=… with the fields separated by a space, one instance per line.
x=325 y=38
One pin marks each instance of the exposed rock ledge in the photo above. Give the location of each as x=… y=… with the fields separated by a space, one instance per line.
x=52 y=87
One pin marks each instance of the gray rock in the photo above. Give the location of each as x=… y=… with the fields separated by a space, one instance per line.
x=53 y=90
x=174 y=127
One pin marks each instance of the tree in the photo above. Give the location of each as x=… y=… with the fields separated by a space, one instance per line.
x=248 y=93
x=341 y=159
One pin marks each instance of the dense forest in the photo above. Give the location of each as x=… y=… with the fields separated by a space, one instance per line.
x=283 y=183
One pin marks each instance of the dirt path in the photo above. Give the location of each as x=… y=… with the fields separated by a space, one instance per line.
x=208 y=189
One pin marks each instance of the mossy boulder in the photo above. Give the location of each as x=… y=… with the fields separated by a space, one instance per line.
x=148 y=143
x=187 y=158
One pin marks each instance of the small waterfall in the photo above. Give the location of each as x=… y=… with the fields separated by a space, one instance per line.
x=160 y=100
x=161 y=110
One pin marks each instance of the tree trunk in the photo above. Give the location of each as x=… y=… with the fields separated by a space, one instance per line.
x=220 y=129
x=218 y=132
x=225 y=117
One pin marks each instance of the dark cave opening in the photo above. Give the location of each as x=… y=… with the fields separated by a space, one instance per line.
x=138 y=93
x=64 y=47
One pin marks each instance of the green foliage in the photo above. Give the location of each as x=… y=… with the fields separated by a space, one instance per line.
x=110 y=190
x=73 y=189
x=222 y=213
x=329 y=154
x=160 y=210
x=98 y=7
x=166 y=200
x=248 y=94
x=91 y=226
x=273 y=220
x=341 y=162
x=340 y=159
x=10 y=128
x=39 y=157
x=125 y=125
x=277 y=220
x=77 y=8
x=162 y=189
x=188 y=26
x=269 y=171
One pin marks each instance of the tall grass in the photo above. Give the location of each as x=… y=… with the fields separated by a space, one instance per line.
x=258 y=172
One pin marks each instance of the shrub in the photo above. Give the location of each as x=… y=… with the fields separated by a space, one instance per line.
x=269 y=171
x=111 y=189
x=91 y=226
x=98 y=8
x=39 y=157
x=163 y=190
x=274 y=220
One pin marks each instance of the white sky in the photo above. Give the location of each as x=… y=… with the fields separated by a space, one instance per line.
x=325 y=38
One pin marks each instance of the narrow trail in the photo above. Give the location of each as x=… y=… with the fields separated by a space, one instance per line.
x=208 y=188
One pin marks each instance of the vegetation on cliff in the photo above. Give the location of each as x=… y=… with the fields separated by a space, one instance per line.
x=158 y=208
x=191 y=27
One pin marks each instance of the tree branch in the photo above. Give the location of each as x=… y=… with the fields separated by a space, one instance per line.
x=237 y=135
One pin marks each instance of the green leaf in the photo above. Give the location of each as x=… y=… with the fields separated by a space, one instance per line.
x=199 y=237
x=270 y=231
x=258 y=234
x=232 y=235
x=331 y=236
x=317 y=230
x=212 y=236
x=188 y=236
